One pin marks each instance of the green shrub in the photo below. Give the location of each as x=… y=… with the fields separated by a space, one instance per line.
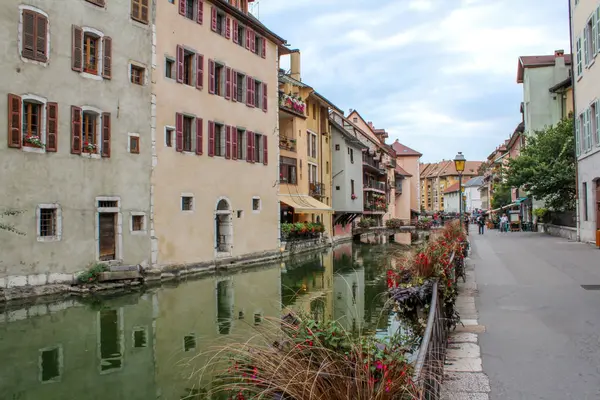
x=92 y=273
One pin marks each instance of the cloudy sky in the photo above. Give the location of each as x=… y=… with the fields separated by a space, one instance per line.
x=439 y=75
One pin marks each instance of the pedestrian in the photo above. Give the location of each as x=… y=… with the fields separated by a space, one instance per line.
x=481 y=223
x=504 y=223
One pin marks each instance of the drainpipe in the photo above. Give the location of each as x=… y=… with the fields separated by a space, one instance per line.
x=574 y=80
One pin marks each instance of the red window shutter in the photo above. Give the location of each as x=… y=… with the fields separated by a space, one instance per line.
x=228 y=83
x=265 y=150
x=252 y=146
x=179 y=132
x=249 y=86
x=41 y=32
x=234 y=143
x=213 y=19
x=77 y=49
x=265 y=97
x=234 y=87
x=105 y=134
x=211 y=138
x=182 y=6
x=236 y=37
x=75 y=130
x=199 y=71
x=180 y=59
x=228 y=27
x=107 y=67
x=253 y=41
x=51 y=127
x=200 y=15
x=228 y=142
x=211 y=76
x=14 y=121
x=29 y=36
x=248 y=37
x=199 y=128
x=249 y=146
x=263 y=54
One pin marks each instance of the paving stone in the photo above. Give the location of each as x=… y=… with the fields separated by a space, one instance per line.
x=463 y=350
x=468 y=322
x=465 y=396
x=462 y=337
x=466 y=382
x=463 y=365
x=470 y=328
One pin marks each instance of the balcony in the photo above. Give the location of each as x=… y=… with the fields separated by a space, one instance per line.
x=316 y=190
x=286 y=143
x=372 y=165
x=375 y=203
x=374 y=186
x=292 y=104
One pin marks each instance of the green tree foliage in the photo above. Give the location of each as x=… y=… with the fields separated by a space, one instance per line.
x=546 y=166
x=502 y=196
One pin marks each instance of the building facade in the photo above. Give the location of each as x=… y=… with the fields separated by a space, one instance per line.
x=77 y=94
x=472 y=194
x=407 y=181
x=585 y=24
x=452 y=198
x=437 y=177
x=215 y=168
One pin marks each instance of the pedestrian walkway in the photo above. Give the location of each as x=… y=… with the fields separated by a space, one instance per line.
x=538 y=328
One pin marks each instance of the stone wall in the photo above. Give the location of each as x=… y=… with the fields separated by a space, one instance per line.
x=560 y=231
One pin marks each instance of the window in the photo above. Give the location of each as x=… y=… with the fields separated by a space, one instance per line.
x=51 y=364
x=257 y=94
x=311 y=140
x=258 y=318
x=32 y=112
x=219 y=79
x=241 y=35
x=188 y=133
x=219 y=149
x=287 y=170
x=314 y=111
x=587 y=131
x=139 y=10
x=190 y=7
x=579 y=56
x=241 y=144
x=47 y=222
x=597 y=119
x=169 y=136
x=256 y=206
x=90 y=53
x=34 y=36
x=258 y=148
x=240 y=87
x=589 y=40
x=352 y=186
x=240 y=213
x=187 y=203
x=337 y=147
x=578 y=135
x=140 y=337
x=134 y=144
x=189 y=342
x=355 y=119
x=88 y=132
x=258 y=45
x=137 y=74
x=593 y=124
x=137 y=223
x=221 y=23
x=351 y=151
x=188 y=68
x=312 y=174
x=585 y=201
x=169 y=68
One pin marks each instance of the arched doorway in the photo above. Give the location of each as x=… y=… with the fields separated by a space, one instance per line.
x=223 y=228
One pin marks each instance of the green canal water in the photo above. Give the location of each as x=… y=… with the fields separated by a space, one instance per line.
x=148 y=345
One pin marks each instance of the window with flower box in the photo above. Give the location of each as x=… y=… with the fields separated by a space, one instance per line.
x=90 y=131
x=32 y=123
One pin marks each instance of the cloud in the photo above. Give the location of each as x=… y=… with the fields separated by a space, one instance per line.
x=438 y=75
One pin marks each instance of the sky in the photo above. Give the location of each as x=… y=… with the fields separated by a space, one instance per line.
x=438 y=75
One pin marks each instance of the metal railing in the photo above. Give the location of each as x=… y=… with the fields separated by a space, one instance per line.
x=287 y=144
x=375 y=185
x=316 y=190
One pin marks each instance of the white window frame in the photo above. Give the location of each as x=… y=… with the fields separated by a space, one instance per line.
x=167 y=127
x=310 y=164
x=20 y=34
x=42 y=123
x=139 y=329
x=597 y=133
x=145 y=78
x=87 y=29
x=129 y=136
x=310 y=147
x=58 y=234
x=60 y=364
x=181 y=202
x=259 y=205
x=98 y=154
x=579 y=56
x=144 y=230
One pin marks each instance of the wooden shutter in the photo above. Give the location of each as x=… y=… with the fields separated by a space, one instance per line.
x=51 y=127
x=211 y=76
x=200 y=15
x=199 y=71
x=211 y=138
x=182 y=6
x=234 y=87
x=228 y=27
x=77 y=49
x=248 y=37
x=213 y=19
x=265 y=150
x=265 y=97
x=252 y=93
x=14 y=121
x=75 y=130
x=29 y=37
x=199 y=128
x=249 y=91
x=105 y=134
x=263 y=54
x=252 y=145
x=179 y=61
x=228 y=83
x=236 y=37
x=253 y=41
x=248 y=146
x=107 y=57
x=228 y=142
x=179 y=132
x=41 y=37
x=234 y=143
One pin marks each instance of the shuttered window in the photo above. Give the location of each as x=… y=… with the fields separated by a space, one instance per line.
x=32 y=123
x=91 y=53
x=140 y=10
x=90 y=132
x=34 y=37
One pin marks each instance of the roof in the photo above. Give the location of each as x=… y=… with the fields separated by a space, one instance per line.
x=567 y=83
x=447 y=168
x=323 y=99
x=252 y=20
x=347 y=135
x=283 y=77
x=452 y=188
x=402 y=150
x=477 y=181
x=538 y=62
x=402 y=171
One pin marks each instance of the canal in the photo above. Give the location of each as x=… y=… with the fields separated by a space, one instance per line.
x=149 y=345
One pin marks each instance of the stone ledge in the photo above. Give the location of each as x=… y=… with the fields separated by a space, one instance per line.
x=474 y=382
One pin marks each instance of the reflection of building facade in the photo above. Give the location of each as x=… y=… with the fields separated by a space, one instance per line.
x=75 y=352
x=200 y=314
x=349 y=293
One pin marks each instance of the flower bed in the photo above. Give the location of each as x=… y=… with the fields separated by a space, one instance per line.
x=394 y=223
x=292 y=102
x=301 y=230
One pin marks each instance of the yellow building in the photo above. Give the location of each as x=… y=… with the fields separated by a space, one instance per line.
x=437 y=177
x=305 y=179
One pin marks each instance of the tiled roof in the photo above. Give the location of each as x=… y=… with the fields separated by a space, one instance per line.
x=477 y=181
x=537 y=62
x=402 y=171
x=403 y=150
x=452 y=188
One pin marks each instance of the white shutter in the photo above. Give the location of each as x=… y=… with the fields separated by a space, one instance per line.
x=578 y=55
x=597 y=13
x=596 y=105
x=594 y=44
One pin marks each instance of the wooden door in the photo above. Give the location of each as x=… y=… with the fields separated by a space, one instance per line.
x=107 y=235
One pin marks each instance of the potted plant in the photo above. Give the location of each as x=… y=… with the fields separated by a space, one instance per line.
x=35 y=141
x=89 y=147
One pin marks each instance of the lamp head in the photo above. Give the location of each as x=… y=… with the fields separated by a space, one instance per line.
x=459 y=162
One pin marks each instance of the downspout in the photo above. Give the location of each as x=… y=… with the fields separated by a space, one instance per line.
x=574 y=80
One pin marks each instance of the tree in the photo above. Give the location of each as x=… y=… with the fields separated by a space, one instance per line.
x=502 y=196
x=546 y=167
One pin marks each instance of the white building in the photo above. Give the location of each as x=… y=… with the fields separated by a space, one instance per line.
x=451 y=199
x=585 y=39
x=472 y=194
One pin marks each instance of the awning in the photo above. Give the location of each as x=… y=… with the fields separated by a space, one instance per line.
x=520 y=200
x=304 y=204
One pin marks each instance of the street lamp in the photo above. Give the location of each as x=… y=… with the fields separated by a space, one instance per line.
x=459 y=164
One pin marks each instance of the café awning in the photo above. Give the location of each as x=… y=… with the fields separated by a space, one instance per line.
x=304 y=204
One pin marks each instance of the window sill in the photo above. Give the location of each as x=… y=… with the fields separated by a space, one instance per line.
x=139 y=22
x=138 y=233
x=591 y=63
x=91 y=155
x=187 y=211
x=88 y=75
x=30 y=149
x=35 y=62
x=48 y=239
x=579 y=77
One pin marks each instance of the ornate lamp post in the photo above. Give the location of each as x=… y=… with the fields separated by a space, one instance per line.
x=459 y=164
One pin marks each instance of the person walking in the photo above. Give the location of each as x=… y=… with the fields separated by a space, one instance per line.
x=481 y=223
x=504 y=223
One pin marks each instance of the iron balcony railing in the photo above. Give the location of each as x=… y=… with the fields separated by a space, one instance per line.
x=316 y=190
x=287 y=143
x=373 y=164
x=374 y=185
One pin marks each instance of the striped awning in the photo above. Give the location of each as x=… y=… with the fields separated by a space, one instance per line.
x=304 y=204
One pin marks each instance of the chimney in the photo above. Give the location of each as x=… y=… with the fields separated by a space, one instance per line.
x=371 y=125
x=559 y=58
x=559 y=53
x=295 y=65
